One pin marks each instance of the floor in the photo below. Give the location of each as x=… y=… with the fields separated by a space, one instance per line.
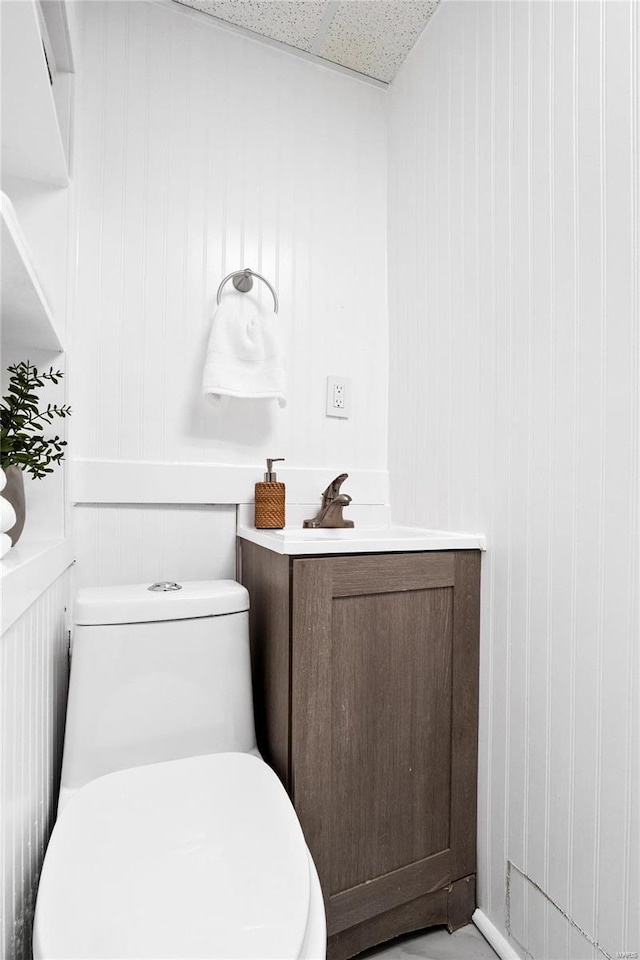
x=465 y=944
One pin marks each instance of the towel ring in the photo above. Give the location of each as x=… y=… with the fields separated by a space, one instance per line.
x=243 y=281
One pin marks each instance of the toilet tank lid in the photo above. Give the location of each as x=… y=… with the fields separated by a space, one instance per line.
x=135 y=603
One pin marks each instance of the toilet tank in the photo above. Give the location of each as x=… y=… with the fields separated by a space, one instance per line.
x=156 y=676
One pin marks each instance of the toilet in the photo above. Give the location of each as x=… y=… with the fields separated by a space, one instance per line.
x=174 y=838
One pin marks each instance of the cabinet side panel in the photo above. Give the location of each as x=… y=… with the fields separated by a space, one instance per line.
x=266 y=577
x=461 y=903
x=464 y=734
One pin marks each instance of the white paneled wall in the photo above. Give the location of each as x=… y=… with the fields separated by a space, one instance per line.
x=514 y=319
x=135 y=543
x=33 y=688
x=200 y=151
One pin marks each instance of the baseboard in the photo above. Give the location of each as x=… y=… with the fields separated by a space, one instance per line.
x=493 y=936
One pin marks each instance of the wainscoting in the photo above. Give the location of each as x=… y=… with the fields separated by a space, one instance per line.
x=514 y=304
x=33 y=692
x=141 y=543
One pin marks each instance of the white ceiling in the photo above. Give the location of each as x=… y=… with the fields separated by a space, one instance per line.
x=371 y=37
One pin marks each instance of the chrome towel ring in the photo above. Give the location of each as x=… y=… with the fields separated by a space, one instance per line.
x=243 y=281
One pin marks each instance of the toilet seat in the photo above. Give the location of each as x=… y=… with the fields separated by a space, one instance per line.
x=199 y=857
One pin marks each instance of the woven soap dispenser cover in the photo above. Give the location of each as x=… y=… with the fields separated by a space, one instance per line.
x=270 y=498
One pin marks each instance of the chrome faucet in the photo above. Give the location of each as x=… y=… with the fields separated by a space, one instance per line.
x=333 y=503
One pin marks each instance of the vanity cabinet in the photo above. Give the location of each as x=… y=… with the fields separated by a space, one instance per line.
x=365 y=671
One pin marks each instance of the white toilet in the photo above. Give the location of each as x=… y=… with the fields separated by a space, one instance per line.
x=174 y=838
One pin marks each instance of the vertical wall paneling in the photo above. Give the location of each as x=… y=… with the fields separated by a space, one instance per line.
x=630 y=690
x=136 y=543
x=34 y=590
x=33 y=685
x=200 y=151
x=513 y=195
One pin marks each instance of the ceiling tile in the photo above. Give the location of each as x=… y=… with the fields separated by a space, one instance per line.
x=374 y=36
x=295 y=22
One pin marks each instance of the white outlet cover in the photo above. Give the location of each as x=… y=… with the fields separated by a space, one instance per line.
x=338 y=387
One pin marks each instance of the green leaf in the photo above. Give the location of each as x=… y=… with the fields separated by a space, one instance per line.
x=22 y=423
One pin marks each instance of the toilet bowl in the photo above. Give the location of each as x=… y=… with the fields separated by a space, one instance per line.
x=198 y=853
x=202 y=857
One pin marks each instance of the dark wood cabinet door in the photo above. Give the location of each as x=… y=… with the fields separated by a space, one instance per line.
x=384 y=663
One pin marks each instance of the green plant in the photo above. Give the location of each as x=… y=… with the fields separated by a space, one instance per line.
x=22 y=442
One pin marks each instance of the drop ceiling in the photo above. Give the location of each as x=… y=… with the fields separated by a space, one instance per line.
x=372 y=37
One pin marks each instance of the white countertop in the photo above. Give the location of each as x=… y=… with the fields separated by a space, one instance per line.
x=297 y=541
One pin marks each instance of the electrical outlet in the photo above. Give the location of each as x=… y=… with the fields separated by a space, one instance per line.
x=338 y=389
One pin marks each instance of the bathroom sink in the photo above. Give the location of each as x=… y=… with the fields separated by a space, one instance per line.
x=299 y=541
x=330 y=533
x=354 y=533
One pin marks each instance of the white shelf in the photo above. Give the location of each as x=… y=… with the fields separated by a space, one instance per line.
x=26 y=572
x=32 y=144
x=26 y=317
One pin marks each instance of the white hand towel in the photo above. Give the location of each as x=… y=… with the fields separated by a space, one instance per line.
x=5 y=544
x=3 y=479
x=7 y=515
x=244 y=355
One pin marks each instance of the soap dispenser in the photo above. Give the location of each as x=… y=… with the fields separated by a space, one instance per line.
x=269 y=496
